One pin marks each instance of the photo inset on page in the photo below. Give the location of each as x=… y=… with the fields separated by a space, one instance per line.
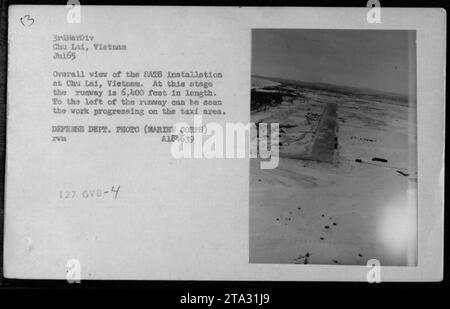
x=344 y=191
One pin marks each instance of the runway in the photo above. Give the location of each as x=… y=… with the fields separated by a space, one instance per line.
x=325 y=138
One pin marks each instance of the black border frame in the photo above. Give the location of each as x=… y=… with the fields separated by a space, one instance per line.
x=282 y=291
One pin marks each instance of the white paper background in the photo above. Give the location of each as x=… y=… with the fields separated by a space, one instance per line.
x=177 y=219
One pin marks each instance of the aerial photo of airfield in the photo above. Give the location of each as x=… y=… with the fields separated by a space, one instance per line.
x=344 y=189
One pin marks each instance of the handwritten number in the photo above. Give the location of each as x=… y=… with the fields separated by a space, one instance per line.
x=115 y=191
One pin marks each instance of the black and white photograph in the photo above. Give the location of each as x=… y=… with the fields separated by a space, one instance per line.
x=161 y=146
x=343 y=192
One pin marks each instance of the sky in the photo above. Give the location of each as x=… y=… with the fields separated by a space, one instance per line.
x=376 y=59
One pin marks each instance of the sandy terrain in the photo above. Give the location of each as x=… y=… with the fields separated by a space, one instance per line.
x=261 y=82
x=329 y=202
